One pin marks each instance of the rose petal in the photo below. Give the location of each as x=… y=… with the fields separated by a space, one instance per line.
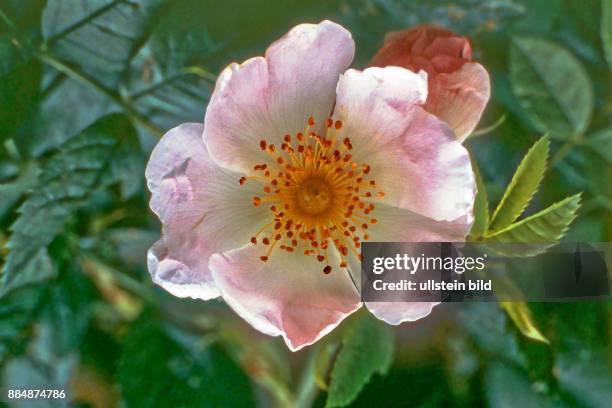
x=268 y=97
x=288 y=295
x=178 y=278
x=398 y=312
x=203 y=210
x=414 y=157
x=401 y=225
x=459 y=98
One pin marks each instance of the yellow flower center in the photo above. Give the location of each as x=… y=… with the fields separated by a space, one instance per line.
x=317 y=194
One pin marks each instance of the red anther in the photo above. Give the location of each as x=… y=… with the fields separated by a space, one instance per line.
x=242 y=180
x=254 y=240
x=287 y=138
x=338 y=124
x=329 y=122
x=327 y=270
x=263 y=144
x=256 y=201
x=266 y=241
x=263 y=258
x=311 y=121
x=320 y=258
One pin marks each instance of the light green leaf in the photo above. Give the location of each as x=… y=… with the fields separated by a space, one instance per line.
x=552 y=86
x=67 y=178
x=521 y=316
x=367 y=349
x=523 y=186
x=606 y=29
x=481 y=206
x=546 y=226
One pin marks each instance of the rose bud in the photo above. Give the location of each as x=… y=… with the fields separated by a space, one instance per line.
x=459 y=88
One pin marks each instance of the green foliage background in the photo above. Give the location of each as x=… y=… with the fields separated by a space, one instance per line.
x=88 y=87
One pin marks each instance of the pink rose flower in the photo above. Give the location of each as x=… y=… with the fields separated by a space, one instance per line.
x=459 y=89
x=298 y=161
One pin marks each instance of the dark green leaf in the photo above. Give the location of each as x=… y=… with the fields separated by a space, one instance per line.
x=17 y=312
x=20 y=78
x=586 y=376
x=68 y=310
x=68 y=176
x=367 y=349
x=523 y=186
x=606 y=29
x=539 y=72
x=487 y=326
x=11 y=192
x=182 y=373
x=99 y=36
x=507 y=387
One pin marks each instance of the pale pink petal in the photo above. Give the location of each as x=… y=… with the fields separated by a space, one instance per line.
x=182 y=279
x=398 y=312
x=268 y=97
x=288 y=295
x=459 y=98
x=415 y=158
x=399 y=225
x=202 y=207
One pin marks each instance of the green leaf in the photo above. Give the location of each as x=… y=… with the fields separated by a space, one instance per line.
x=20 y=78
x=99 y=36
x=508 y=387
x=67 y=178
x=606 y=29
x=11 y=192
x=487 y=326
x=521 y=316
x=539 y=73
x=523 y=186
x=481 y=206
x=600 y=143
x=180 y=371
x=17 y=312
x=367 y=349
x=68 y=310
x=544 y=227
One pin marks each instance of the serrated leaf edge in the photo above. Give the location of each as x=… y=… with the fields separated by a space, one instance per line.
x=520 y=171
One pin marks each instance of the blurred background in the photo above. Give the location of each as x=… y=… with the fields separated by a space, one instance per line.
x=86 y=90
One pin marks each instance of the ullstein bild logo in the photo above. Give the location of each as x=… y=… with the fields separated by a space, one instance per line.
x=456 y=272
